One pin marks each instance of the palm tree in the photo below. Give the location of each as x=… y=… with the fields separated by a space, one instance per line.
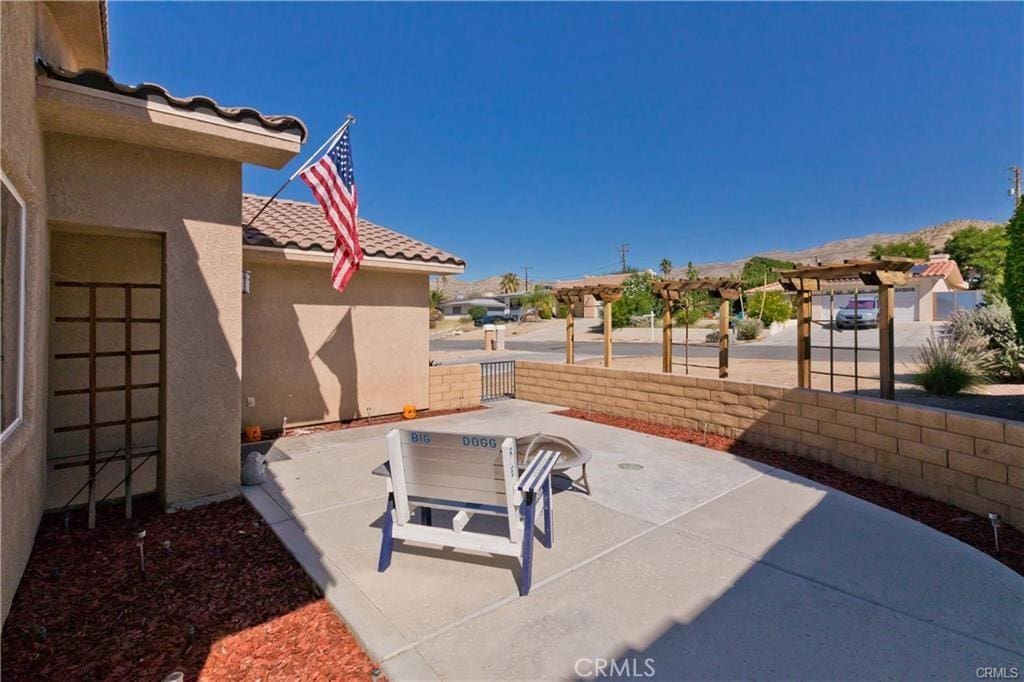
x=509 y=283
x=437 y=298
x=540 y=298
x=666 y=267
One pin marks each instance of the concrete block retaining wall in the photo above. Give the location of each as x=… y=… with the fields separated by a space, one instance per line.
x=970 y=461
x=454 y=387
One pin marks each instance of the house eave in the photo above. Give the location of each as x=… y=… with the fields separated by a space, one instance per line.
x=79 y=110
x=273 y=254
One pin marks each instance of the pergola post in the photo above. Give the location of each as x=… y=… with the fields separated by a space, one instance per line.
x=570 y=324
x=803 y=338
x=886 y=355
x=607 y=332
x=723 y=337
x=666 y=336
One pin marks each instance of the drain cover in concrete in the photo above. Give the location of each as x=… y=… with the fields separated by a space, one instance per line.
x=629 y=466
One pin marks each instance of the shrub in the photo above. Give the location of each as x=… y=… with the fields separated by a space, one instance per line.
x=993 y=326
x=769 y=306
x=749 y=328
x=951 y=366
x=563 y=311
x=476 y=312
x=544 y=310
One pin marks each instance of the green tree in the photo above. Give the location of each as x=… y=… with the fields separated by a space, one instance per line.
x=509 y=283
x=1013 y=275
x=665 y=267
x=981 y=255
x=692 y=304
x=637 y=299
x=761 y=270
x=916 y=248
x=769 y=306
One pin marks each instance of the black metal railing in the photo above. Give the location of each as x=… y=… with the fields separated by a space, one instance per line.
x=497 y=380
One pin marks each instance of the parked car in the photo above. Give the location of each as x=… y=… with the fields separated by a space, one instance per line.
x=490 y=319
x=861 y=312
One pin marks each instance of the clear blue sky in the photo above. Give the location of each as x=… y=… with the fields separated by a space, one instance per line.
x=546 y=134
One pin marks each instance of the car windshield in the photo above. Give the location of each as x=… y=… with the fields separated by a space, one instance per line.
x=859 y=305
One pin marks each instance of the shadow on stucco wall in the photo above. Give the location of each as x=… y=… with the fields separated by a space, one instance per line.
x=338 y=354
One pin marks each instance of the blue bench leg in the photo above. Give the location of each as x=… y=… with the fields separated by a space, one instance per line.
x=387 y=541
x=426 y=516
x=549 y=529
x=527 y=576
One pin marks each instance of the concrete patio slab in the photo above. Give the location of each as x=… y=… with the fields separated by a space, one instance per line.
x=712 y=565
x=823 y=534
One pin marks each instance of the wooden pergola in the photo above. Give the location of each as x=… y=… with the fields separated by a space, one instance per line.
x=885 y=274
x=570 y=296
x=673 y=290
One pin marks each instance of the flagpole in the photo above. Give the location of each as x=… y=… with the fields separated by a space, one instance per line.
x=349 y=120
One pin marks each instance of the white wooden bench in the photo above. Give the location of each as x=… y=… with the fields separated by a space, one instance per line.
x=468 y=474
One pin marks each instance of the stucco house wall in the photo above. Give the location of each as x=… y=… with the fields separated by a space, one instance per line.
x=22 y=454
x=313 y=355
x=193 y=201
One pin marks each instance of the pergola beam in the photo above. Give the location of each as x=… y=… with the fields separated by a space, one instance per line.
x=884 y=273
x=672 y=290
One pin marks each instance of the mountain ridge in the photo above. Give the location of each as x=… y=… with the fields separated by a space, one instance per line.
x=829 y=252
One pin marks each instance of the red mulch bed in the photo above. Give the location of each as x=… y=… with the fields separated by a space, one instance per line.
x=962 y=525
x=226 y=601
x=356 y=423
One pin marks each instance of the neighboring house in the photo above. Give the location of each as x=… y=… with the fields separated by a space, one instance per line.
x=123 y=203
x=936 y=288
x=312 y=355
x=460 y=308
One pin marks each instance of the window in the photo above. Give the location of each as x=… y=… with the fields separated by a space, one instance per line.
x=12 y=315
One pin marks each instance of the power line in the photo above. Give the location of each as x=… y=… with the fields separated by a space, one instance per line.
x=623 y=250
x=526 y=277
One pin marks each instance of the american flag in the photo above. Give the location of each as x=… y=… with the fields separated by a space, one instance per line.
x=333 y=183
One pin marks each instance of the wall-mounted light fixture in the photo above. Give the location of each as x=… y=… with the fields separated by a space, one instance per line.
x=246 y=281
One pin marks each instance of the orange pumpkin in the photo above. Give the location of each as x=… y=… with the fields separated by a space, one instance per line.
x=409 y=411
x=253 y=433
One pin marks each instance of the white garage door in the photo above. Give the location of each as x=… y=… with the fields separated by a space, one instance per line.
x=906 y=305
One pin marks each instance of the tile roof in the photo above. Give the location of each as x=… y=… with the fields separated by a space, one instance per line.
x=301 y=225
x=101 y=80
x=935 y=268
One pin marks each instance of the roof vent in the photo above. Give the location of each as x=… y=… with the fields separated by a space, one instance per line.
x=937 y=257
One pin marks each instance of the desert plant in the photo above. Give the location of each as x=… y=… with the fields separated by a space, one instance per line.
x=749 y=328
x=665 y=267
x=993 y=325
x=769 y=306
x=476 y=312
x=950 y=366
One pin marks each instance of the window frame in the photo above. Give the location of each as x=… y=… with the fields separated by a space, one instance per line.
x=12 y=427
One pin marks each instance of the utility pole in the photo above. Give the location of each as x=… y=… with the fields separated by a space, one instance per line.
x=1015 y=190
x=623 y=250
x=526 y=278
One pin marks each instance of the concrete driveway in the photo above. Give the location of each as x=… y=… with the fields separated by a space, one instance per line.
x=695 y=564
